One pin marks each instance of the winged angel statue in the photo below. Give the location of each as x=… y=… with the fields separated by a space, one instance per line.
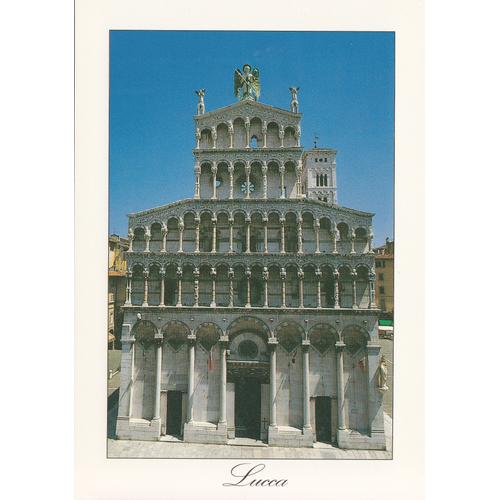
x=247 y=84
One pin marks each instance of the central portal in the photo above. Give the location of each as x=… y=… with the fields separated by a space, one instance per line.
x=247 y=408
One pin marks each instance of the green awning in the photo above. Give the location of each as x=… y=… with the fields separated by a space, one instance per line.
x=385 y=322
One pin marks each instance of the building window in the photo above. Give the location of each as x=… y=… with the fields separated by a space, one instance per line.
x=321 y=160
x=315 y=160
x=381 y=276
x=326 y=159
x=377 y=263
x=381 y=290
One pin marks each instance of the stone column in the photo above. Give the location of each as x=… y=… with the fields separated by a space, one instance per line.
x=247 y=173
x=297 y=135
x=265 y=221
x=191 y=345
x=230 y=275
x=353 y=238
x=300 y=248
x=132 y=368
x=247 y=128
x=318 y=278
x=354 y=294
x=147 y=236
x=283 y=286
x=128 y=292
x=248 y=274
x=371 y=282
x=214 y=180
x=264 y=179
x=214 y=138
x=305 y=383
x=231 y=133
x=179 y=286
x=130 y=240
x=248 y=228
x=159 y=343
x=298 y=172
x=272 y=342
x=264 y=133
x=282 y=180
x=335 y=235
x=164 y=234
x=281 y=135
x=231 y=222
x=214 y=235
x=370 y=241
x=197 y=234
x=146 y=276
x=316 y=232
x=213 y=273
x=340 y=385
x=162 y=286
x=196 y=276
x=300 y=276
x=181 y=233
x=197 y=173
x=336 y=289
x=223 y=378
x=282 y=243
x=265 y=277
x=231 y=180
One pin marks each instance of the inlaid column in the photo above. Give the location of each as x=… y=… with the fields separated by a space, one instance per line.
x=265 y=221
x=264 y=134
x=181 y=234
x=214 y=180
x=272 y=343
x=318 y=279
x=214 y=138
x=147 y=236
x=230 y=275
x=370 y=241
x=298 y=133
x=247 y=129
x=339 y=346
x=264 y=180
x=230 y=169
x=300 y=276
x=146 y=276
x=191 y=345
x=196 y=277
x=231 y=222
x=198 y=138
x=305 y=384
x=197 y=234
x=179 y=286
x=159 y=343
x=164 y=234
x=223 y=378
x=248 y=274
x=213 y=274
x=371 y=282
x=162 y=286
x=283 y=286
x=298 y=172
x=247 y=173
x=353 y=239
x=265 y=278
x=197 y=174
x=316 y=233
x=282 y=180
x=335 y=236
x=282 y=242
x=336 y=304
x=130 y=240
x=214 y=235
x=132 y=368
x=281 y=135
x=128 y=291
x=300 y=248
x=354 y=294
x=230 y=129
x=248 y=229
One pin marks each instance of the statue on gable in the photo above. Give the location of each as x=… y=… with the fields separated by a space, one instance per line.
x=247 y=84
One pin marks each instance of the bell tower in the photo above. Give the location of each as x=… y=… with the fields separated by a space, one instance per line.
x=320 y=175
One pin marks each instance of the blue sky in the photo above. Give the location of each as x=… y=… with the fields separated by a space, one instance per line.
x=346 y=82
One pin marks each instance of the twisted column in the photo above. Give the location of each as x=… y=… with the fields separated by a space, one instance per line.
x=264 y=179
x=196 y=276
x=336 y=289
x=231 y=180
x=318 y=278
x=179 y=286
x=300 y=248
x=265 y=221
x=146 y=276
x=282 y=242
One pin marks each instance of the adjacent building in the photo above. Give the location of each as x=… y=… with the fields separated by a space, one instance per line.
x=250 y=308
x=384 y=269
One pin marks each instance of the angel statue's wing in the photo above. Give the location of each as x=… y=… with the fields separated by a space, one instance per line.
x=238 y=79
x=256 y=81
